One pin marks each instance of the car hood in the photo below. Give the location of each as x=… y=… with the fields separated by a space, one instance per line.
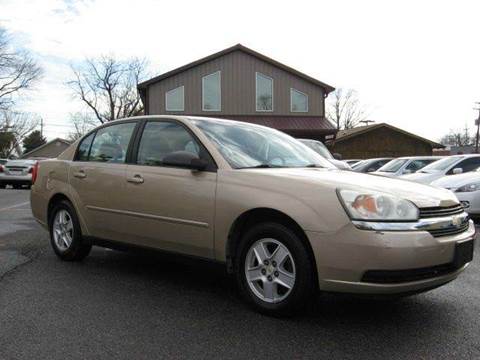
x=421 y=195
x=424 y=178
x=455 y=181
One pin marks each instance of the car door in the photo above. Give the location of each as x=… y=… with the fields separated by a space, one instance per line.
x=97 y=177
x=170 y=208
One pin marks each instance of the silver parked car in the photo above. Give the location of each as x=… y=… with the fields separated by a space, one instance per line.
x=405 y=165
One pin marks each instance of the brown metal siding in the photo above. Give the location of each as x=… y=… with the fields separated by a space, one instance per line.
x=238 y=88
x=379 y=143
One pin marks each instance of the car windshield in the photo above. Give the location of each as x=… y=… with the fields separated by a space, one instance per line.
x=250 y=146
x=393 y=166
x=442 y=164
x=318 y=147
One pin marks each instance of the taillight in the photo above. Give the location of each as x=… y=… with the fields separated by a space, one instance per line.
x=34 y=171
x=1 y=168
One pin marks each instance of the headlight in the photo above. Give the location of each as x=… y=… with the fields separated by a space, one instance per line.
x=377 y=206
x=469 y=187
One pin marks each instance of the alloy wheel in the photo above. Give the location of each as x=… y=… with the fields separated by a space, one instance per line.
x=63 y=230
x=270 y=270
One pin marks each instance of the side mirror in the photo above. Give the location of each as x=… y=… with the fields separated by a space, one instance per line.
x=337 y=156
x=371 y=170
x=407 y=171
x=457 y=171
x=186 y=160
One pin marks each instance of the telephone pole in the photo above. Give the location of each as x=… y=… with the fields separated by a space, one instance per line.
x=41 y=127
x=477 y=122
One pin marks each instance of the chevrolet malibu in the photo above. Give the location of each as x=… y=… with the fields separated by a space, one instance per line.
x=281 y=218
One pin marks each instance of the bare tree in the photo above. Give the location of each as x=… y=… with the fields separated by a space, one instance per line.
x=108 y=86
x=14 y=127
x=344 y=109
x=82 y=123
x=18 y=71
x=459 y=137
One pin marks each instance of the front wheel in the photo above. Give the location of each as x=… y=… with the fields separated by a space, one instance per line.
x=274 y=271
x=66 y=235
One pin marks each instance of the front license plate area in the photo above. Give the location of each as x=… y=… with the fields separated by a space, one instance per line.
x=463 y=253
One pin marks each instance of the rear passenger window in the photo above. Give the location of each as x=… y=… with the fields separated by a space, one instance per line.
x=84 y=148
x=162 y=138
x=111 y=143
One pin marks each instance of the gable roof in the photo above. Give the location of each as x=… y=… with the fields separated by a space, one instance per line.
x=66 y=142
x=238 y=47
x=349 y=133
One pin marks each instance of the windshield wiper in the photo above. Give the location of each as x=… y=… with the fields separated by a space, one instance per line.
x=313 y=166
x=261 y=166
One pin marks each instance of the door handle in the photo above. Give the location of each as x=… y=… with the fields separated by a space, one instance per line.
x=80 y=174
x=136 y=179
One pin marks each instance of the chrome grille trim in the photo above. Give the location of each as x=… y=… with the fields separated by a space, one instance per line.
x=440 y=226
x=434 y=212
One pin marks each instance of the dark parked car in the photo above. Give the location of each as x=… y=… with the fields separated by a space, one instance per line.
x=370 y=165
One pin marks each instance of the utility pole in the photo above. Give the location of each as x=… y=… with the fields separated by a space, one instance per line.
x=477 y=122
x=41 y=127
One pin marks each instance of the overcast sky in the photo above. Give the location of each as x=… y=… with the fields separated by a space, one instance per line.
x=414 y=63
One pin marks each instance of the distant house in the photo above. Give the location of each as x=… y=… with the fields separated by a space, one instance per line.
x=241 y=84
x=379 y=140
x=49 y=150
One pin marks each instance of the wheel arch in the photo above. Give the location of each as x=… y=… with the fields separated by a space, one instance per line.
x=61 y=196
x=256 y=216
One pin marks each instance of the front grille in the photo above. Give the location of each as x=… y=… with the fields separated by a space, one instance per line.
x=432 y=212
x=400 y=276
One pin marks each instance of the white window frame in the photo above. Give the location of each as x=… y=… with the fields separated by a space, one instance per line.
x=183 y=99
x=256 y=88
x=220 y=88
x=291 y=101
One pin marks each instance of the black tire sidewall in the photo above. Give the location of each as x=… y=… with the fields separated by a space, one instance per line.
x=78 y=247
x=303 y=289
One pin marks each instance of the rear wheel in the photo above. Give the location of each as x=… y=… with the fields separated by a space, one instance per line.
x=65 y=233
x=274 y=271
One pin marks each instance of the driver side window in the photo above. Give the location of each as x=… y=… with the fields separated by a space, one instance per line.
x=160 y=139
x=467 y=165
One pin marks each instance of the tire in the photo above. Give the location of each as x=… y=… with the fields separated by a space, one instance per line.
x=279 y=300
x=70 y=246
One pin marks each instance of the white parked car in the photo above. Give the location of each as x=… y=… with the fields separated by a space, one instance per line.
x=451 y=165
x=405 y=165
x=466 y=187
x=17 y=173
x=322 y=150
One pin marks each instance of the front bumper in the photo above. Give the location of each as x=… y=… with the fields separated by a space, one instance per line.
x=345 y=257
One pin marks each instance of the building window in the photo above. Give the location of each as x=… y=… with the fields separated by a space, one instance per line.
x=212 y=92
x=263 y=92
x=298 y=101
x=175 y=100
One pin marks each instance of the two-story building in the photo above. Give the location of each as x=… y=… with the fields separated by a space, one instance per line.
x=241 y=84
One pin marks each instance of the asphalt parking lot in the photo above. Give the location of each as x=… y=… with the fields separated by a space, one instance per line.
x=124 y=306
